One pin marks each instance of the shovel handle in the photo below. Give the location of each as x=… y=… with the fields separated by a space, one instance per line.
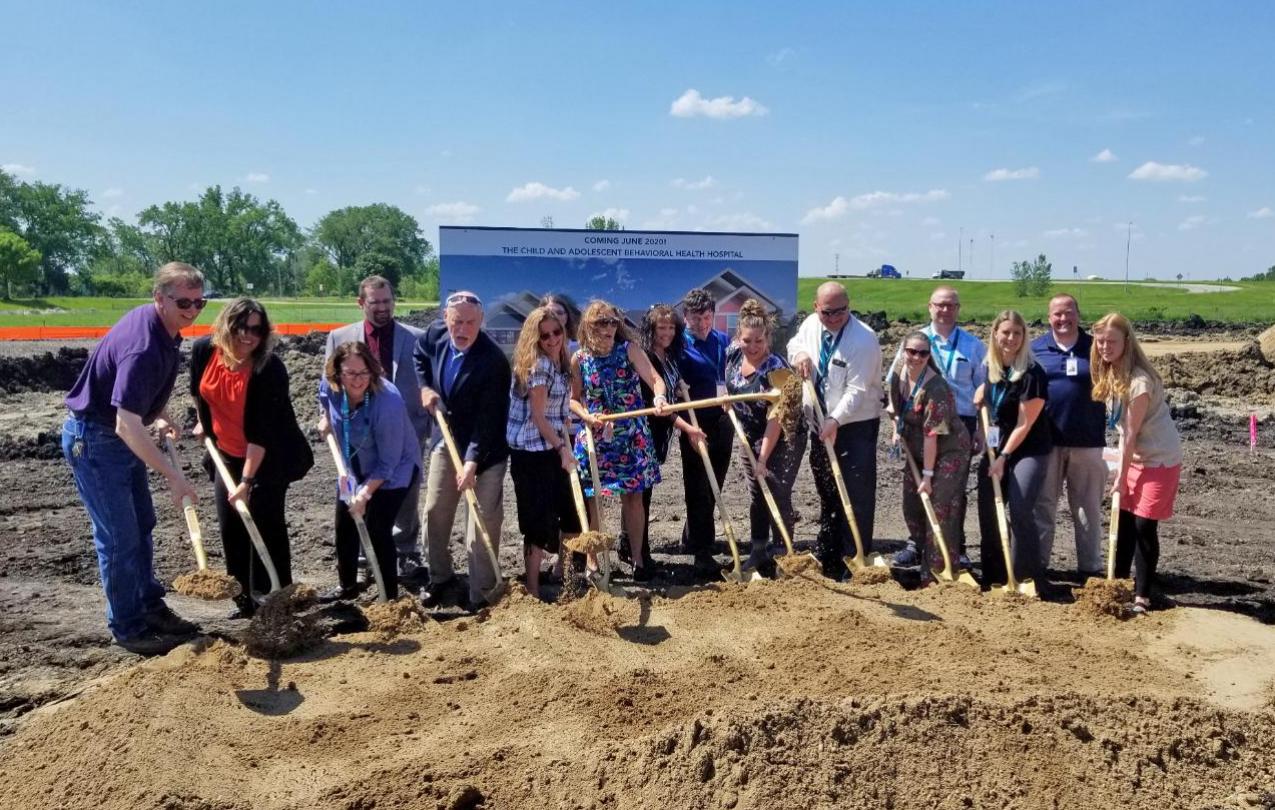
x=1113 y=531
x=930 y=514
x=728 y=528
x=470 y=498
x=1002 y=520
x=830 y=449
x=188 y=511
x=360 y=525
x=766 y=494
x=771 y=396
x=242 y=508
x=577 y=492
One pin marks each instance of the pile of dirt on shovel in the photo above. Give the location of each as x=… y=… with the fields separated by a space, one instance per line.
x=281 y=628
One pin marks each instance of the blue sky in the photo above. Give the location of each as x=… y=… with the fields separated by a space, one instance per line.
x=878 y=132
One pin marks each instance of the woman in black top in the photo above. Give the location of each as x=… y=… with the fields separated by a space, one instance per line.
x=240 y=388
x=1014 y=389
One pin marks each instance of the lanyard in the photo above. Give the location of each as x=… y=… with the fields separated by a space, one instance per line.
x=350 y=452
x=1117 y=410
x=825 y=358
x=999 y=390
x=951 y=354
x=907 y=404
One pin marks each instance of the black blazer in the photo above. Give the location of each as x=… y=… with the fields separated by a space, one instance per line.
x=269 y=420
x=477 y=409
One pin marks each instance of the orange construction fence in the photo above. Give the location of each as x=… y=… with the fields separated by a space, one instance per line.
x=94 y=332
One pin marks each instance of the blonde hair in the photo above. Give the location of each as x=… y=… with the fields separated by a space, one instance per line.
x=996 y=370
x=594 y=312
x=234 y=316
x=175 y=273
x=753 y=315
x=1111 y=380
x=527 y=351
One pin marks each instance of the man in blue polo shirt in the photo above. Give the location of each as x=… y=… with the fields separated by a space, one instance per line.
x=959 y=355
x=1078 y=425
x=123 y=389
x=703 y=367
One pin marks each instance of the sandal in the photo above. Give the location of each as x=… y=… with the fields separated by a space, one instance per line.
x=1141 y=605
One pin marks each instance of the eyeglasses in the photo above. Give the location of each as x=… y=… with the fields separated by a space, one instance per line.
x=553 y=334
x=355 y=375
x=254 y=329
x=916 y=352
x=945 y=305
x=187 y=303
x=463 y=298
x=834 y=312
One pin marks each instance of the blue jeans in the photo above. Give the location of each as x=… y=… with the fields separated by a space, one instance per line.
x=112 y=483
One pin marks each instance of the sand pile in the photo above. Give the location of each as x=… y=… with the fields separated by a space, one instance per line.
x=1245 y=374
x=401 y=616
x=1100 y=597
x=280 y=628
x=207 y=584
x=796 y=693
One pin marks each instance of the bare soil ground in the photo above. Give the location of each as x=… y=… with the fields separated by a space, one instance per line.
x=797 y=693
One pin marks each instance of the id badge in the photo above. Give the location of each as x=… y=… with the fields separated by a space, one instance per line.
x=1073 y=366
x=994 y=436
x=721 y=389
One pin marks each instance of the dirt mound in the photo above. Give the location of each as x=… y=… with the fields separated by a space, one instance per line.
x=46 y=445
x=280 y=629
x=207 y=584
x=403 y=615
x=420 y=318
x=601 y=613
x=1245 y=374
x=43 y=372
x=311 y=343
x=1100 y=597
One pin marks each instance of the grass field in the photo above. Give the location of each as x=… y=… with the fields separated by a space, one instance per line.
x=71 y=311
x=981 y=300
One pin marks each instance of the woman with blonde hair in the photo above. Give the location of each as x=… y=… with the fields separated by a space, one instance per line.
x=748 y=363
x=539 y=458
x=605 y=378
x=240 y=389
x=1150 y=448
x=1014 y=391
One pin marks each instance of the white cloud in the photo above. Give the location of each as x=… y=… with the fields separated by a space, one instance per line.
x=112 y=193
x=257 y=177
x=618 y=214
x=1191 y=198
x=1074 y=233
x=1191 y=223
x=1041 y=90
x=1262 y=213
x=745 y=221
x=998 y=175
x=695 y=185
x=1105 y=156
x=459 y=212
x=602 y=185
x=691 y=105
x=17 y=168
x=536 y=191
x=873 y=199
x=1168 y=171
x=780 y=56
x=665 y=221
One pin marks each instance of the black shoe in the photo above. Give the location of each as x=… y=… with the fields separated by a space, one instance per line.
x=433 y=595
x=245 y=607
x=624 y=553
x=642 y=573
x=150 y=643
x=163 y=620
x=705 y=565
x=339 y=594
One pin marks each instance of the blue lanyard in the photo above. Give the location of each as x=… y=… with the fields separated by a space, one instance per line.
x=951 y=354
x=999 y=390
x=907 y=404
x=826 y=359
x=350 y=452
x=1117 y=410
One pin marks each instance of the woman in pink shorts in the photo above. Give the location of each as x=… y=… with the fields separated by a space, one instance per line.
x=1150 y=448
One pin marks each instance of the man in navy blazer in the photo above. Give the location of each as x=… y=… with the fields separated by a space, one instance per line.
x=464 y=372
x=393 y=343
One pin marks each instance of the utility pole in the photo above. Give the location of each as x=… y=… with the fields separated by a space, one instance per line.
x=1128 y=240
x=960 y=246
x=971 y=255
x=836 y=264
x=991 y=259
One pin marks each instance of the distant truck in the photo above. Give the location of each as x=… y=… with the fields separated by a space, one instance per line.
x=885 y=271
x=953 y=274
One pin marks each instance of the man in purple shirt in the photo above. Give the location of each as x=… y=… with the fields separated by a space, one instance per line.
x=123 y=389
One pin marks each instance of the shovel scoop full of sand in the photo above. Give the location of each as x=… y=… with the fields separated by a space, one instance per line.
x=280 y=629
x=207 y=584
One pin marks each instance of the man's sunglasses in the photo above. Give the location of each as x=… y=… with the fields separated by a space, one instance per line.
x=834 y=312
x=255 y=329
x=463 y=298
x=187 y=303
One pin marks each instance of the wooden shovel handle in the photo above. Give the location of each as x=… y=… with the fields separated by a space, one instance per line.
x=242 y=508
x=360 y=525
x=1002 y=520
x=674 y=407
x=928 y=503
x=728 y=528
x=470 y=498
x=188 y=511
x=830 y=448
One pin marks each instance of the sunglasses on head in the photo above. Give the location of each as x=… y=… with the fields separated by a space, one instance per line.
x=187 y=303
x=254 y=329
x=463 y=298
x=551 y=334
x=916 y=352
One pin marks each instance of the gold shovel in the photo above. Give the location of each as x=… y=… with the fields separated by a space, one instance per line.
x=202 y=582
x=736 y=572
x=858 y=561
x=602 y=552
x=383 y=594
x=1012 y=585
x=947 y=575
x=493 y=595
x=242 y=508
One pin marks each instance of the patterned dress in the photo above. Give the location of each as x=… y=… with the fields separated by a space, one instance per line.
x=932 y=411
x=626 y=462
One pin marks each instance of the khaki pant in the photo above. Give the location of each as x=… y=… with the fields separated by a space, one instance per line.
x=1085 y=474
x=441 y=500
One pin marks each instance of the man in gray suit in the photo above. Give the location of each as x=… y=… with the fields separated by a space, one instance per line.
x=393 y=343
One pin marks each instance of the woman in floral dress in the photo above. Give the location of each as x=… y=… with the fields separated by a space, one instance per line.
x=606 y=375
x=926 y=422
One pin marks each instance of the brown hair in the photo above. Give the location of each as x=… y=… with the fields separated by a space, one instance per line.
x=527 y=351
x=897 y=368
x=594 y=312
x=175 y=273
x=753 y=315
x=355 y=348
x=233 y=318
x=374 y=283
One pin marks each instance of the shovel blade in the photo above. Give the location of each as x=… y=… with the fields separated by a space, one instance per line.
x=966 y=578
x=734 y=575
x=795 y=565
x=879 y=561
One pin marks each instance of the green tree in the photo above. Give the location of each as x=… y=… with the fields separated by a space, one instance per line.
x=597 y=222
x=234 y=238
x=1032 y=278
x=19 y=262
x=380 y=238
x=1269 y=275
x=56 y=222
